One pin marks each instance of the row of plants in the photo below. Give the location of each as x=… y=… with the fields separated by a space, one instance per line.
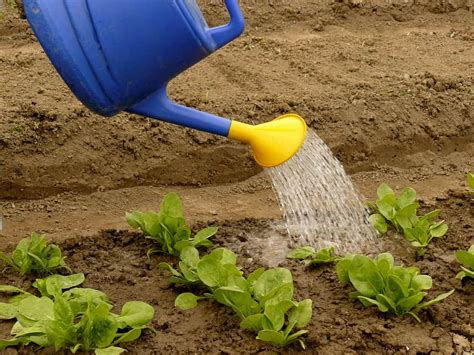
x=263 y=300
x=401 y=214
x=378 y=281
x=62 y=314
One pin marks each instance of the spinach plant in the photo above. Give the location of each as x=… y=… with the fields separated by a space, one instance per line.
x=65 y=316
x=424 y=230
x=378 y=282
x=466 y=259
x=470 y=181
x=313 y=257
x=35 y=255
x=401 y=213
x=168 y=227
x=263 y=301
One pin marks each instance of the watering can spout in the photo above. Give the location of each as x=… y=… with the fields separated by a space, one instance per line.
x=275 y=142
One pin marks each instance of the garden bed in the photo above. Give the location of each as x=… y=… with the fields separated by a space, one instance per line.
x=116 y=263
x=389 y=88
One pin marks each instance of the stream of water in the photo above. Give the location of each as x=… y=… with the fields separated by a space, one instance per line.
x=320 y=205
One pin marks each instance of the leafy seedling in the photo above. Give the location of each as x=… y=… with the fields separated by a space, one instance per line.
x=401 y=213
x=263 y=301
x=470 y=181
x=424 y=230
x=378 y=282
x=70 y=317
x=168 y=228
x=466 y=259
x=313 y=257
x=35 y=255
x=187 y=274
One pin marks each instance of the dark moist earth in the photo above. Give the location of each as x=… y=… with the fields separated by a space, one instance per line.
x=116 y=263
x=389 y=88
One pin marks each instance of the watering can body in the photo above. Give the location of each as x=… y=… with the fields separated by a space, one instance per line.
x=116 y=54
x=120 y=55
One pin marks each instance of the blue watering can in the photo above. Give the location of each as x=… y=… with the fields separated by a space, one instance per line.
x=120 y=55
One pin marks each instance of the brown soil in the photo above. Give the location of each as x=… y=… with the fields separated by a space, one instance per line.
x=389 y=88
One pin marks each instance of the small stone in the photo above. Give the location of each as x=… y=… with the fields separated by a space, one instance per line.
x=406 y=76
x=461 y=341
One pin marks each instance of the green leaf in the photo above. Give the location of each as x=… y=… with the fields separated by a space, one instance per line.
x=211 y=272
x=366 y=301
x=273 y=337
x=111 y=350
x=415 y=316
x=342 y=269
x=100 y=329
x=386 y=207
x=465 y=273
x=136 y=314
x=435 y=300
x=59 y=334
x=172 y=205
x=283 y=292
x=12 y=342
x=190 y=256
x=421 y=282
x=384 y=263
x=37 y=309
x=253 y=322
x=431 y=215
x=407 y=304
x=255 y=275
x=223 y=256
x=275 y=314
x=407 y=215
x=439 y=231
x=302 y=253
x=466 y=258
x=11 y=289
x=189 y=274
x=398 y=286
x=54 y=284
x=167 y=266
x=241 y=301
x=407 y=197
x=186 y=301
x=365 y=277
x=63 y=311
x=204 y=234
x=384 y=190
x=387 y=301
x=296 y=335
x=301 y=314
x=379 y=223
x=131 y=335
x=270 y=280
x=470 y=180
x=85 y=295
x=6 y=259
x=8 y=311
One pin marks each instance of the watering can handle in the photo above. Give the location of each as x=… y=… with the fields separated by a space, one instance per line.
x=226 y=33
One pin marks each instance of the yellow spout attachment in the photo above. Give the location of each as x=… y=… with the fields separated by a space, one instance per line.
x=274 y=142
